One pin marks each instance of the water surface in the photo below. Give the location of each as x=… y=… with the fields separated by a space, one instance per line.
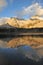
x=34 y=42
x=27 y=50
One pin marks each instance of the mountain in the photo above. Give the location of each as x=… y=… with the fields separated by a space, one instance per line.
x=33 y=22
x=6 y=26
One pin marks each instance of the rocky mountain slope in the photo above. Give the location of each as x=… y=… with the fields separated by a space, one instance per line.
x=33 y=22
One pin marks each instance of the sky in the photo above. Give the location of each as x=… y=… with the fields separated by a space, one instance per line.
x=21 y=8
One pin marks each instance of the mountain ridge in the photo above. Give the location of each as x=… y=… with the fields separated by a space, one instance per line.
x=33 y=22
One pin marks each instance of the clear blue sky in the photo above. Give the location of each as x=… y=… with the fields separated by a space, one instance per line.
x=12 y=6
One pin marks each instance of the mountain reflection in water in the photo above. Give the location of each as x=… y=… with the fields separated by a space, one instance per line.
x=34 y=42
x=25 y=50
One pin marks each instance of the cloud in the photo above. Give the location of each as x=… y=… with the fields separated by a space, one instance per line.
x=34 y=9
x=3 y=3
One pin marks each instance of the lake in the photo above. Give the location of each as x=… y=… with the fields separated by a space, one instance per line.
x=13 y=42
x=22 y=50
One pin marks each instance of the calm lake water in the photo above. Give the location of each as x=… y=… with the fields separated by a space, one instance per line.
x=13 y=42
x=19 y=50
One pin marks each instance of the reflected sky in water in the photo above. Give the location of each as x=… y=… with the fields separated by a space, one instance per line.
x=23 y=55
x=25 y=47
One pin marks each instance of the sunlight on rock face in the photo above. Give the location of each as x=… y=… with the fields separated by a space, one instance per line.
x=26 y=23
x=33 y=22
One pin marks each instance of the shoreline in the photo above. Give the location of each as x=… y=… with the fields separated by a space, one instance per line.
x=20 y=34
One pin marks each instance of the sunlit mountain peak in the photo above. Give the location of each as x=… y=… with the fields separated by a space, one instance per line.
x=33 y=22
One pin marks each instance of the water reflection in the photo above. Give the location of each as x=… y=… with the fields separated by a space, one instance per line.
x=23 y=55
x=24 y=40
x=25 y=49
